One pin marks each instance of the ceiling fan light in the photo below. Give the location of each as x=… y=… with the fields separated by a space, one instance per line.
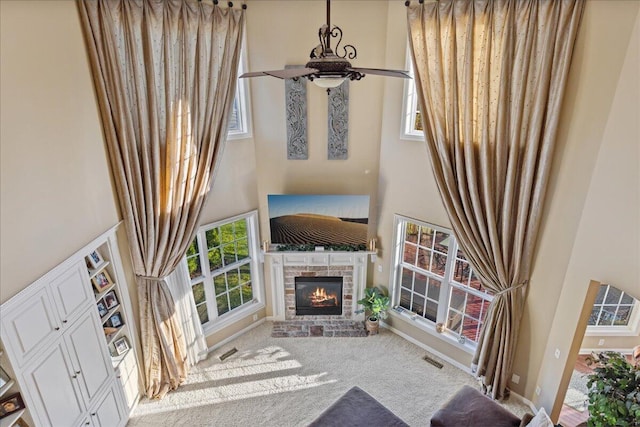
x=328 y=82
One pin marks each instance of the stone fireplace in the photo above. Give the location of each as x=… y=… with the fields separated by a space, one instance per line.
x=315 y=293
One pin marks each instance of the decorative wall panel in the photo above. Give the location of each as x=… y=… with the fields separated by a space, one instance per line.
x=338 y=122
x=296 y=106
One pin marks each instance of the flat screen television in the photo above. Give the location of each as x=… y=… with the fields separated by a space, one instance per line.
x=318 y=219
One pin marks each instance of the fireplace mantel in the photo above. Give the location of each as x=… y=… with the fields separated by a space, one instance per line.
x=280 y=260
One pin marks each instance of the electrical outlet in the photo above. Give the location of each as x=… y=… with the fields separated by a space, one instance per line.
x=515 y=378
x=557 y=353
x=379 y=268
x=601 y=342
x=538 y=390
x=255 y=317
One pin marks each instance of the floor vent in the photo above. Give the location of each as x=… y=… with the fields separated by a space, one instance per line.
x=228 y=353
x=433 y=362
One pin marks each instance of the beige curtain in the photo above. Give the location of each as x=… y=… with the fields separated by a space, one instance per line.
x=490 y=78
x=164 y=73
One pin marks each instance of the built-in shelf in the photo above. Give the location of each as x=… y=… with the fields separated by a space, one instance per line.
x=10 y=420
x=94 y=271
x=6 y=387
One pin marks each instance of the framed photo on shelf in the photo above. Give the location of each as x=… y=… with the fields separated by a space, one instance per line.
x=95 y=259
x=115 y=321
x=101 y=281
x=102 y=308
x=21 y=423
x=4 y=377
x=110 y=300
x=121 y=345
x=11 y=404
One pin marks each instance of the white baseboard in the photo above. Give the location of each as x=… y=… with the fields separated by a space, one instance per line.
x=523 y=400
x=442 y=356
x=236 y=335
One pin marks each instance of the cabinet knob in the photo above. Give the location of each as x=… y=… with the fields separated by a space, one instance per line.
x=78 y=372
x=64 y=321
x=93 y=414
x=74 y=376
x=87 y=423
x=57 y=328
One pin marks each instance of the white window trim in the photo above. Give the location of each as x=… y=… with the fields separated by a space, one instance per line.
x=630 y=330
x=244 y=98
x=218 y=323
x=446 y=284
x=410 y=104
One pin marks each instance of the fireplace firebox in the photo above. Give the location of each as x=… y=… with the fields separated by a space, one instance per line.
x=320 y=295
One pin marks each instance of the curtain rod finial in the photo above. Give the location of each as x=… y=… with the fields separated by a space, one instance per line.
x=230 y=4
x=244 y=6
x=215 y=2
x=407 y=3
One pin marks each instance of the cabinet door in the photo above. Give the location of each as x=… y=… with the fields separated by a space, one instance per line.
x=71 y=292
x=91 y=362
x=108 y=411
x=29 y=325
x=54 y=399
x=127 y=375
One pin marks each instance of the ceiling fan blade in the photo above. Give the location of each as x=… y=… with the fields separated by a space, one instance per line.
x=289 y=73
x=382 y=72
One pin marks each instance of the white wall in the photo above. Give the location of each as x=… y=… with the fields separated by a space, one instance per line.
x=56 y=188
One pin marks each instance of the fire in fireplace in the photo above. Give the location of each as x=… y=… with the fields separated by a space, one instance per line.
x=318 y=296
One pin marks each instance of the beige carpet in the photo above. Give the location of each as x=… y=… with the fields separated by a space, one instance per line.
x=290 y=381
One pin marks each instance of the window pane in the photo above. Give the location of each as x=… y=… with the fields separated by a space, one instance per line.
x=202 y=313
x=195 y=270
x=245 y=273
x=223 y=305
x=601 y=292
x=613 y=297
x=219 y=284
x=233 y=279
x=622 y=316
x=418 y=304
x=226 y=233
x=247 y=292
x=593 y=318
x=420 y=284
x=607 y=315
x=457 y=299
x=432 y=311
x=215 y=259
x=474 y=306
x=475 y=283
x=454 y=321
x=461 y=272
x=411 y=233
x=193 y=248
x=405 y=299
x=426 y=237
x=407 y=279
x=438 y=264
x=409 y=253
x=241 y=229
x=424 y=258
x=243 y=248
x=235 y=296
x=442 y=242
x=229 y=252
x=213 y=238
x=470 y=329
x=198 y=293
x=434 y=289
x=627 y=299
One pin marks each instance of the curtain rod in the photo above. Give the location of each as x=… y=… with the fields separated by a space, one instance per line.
x=230 y=4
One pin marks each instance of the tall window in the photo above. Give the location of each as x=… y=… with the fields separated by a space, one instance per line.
x=230 y=281
x=411 y=115
x=434 y=281
x=240 y=117
x=614 y=310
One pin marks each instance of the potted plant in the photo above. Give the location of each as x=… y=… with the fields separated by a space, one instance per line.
x=375 y=305
x=614 y=391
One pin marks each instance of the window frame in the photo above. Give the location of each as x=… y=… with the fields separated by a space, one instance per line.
x=410 y=104
x=242 y=98
x=447 y=283
x=632 y=328
x=218 y=322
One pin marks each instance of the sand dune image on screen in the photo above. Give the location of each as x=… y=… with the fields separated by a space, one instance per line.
x=317 y=230
x=319 y=219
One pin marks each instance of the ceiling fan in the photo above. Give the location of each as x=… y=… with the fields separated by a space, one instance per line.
x=326 y=68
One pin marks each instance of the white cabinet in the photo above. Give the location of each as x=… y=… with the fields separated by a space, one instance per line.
x=54 y=336
x=55 y=398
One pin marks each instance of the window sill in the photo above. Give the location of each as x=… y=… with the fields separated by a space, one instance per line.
x=223 y=322
x=430 y=328
x=412 y=137
x=616 y=331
